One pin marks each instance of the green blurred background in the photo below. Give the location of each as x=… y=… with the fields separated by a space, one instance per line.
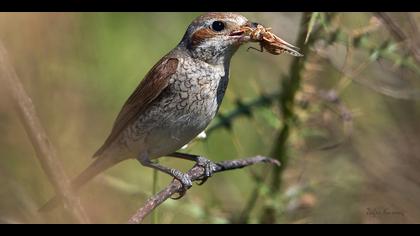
x=352 y=158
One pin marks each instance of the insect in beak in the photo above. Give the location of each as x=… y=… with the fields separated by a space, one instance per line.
x=255 y=32
x=244 y=30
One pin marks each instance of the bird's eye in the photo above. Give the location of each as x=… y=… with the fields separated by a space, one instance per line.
x=218 y=26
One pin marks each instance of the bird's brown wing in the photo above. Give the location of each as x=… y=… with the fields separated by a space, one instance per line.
x=148 y=90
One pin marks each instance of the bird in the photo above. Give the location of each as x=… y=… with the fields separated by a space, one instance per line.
x=176 y=100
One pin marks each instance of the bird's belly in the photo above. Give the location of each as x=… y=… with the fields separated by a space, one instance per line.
x=177 y=131
x=166 y=140
x=167 y=130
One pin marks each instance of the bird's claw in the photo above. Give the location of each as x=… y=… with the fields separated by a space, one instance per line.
x=209 y=168
x=185 y=182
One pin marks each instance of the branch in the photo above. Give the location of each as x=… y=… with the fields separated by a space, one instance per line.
x=195 y=173
x=45 y=151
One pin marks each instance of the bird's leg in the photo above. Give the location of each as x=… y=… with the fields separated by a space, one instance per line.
x=200 y=161
x=183 y=178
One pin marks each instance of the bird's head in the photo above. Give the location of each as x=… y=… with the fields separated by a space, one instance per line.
x=214 y=37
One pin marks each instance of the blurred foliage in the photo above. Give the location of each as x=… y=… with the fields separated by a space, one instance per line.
x=346 y=116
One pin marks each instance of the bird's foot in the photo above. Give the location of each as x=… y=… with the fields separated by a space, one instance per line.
x=185 y=181
x=209 y=168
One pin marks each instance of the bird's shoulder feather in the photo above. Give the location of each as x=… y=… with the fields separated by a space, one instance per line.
x=155 y=81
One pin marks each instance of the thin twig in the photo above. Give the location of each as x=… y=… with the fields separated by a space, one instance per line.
x=414 y=26
x=45 y=151
x=338 y=35
x=392 y=26
x=225 y=120
x=416 y=36
x=399 y=34
x=195 y=173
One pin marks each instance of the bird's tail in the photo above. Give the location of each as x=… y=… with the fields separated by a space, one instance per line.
x=100 y=164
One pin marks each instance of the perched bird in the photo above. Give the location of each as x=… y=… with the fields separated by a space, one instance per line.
x=175 y=101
